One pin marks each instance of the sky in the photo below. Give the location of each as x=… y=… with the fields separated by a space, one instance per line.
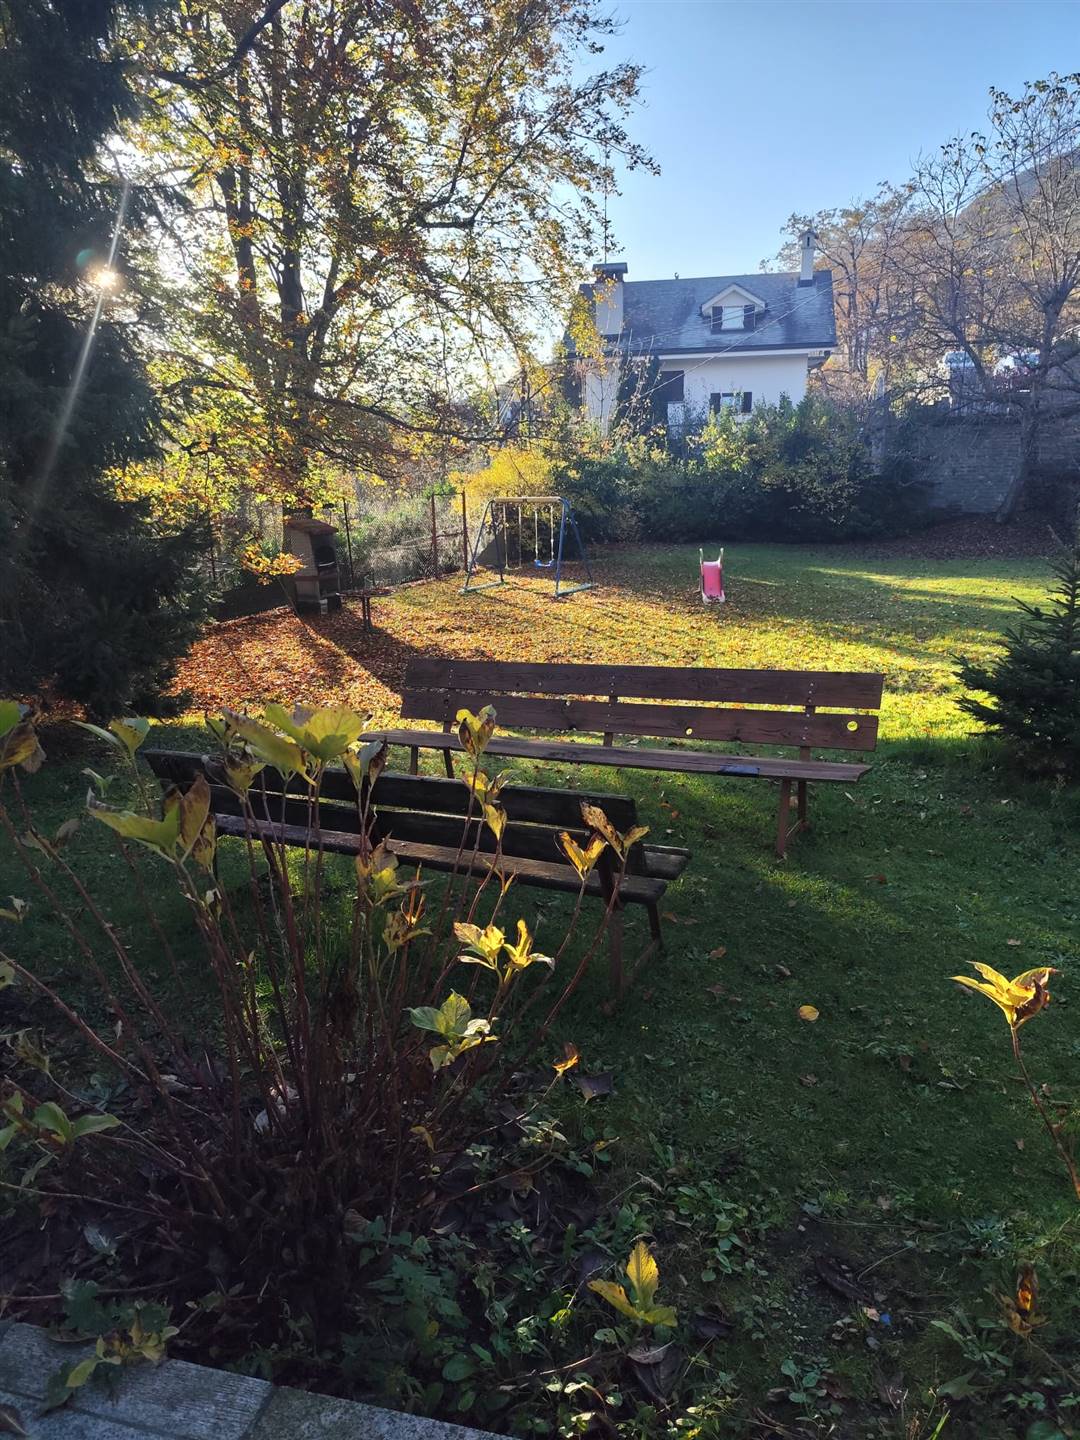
x=758 y=108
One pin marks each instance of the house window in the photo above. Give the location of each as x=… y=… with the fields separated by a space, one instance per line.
x=670 y=388
x=733 y=317
x=741 y=401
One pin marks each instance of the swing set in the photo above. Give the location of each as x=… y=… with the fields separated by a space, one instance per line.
x=504 y=541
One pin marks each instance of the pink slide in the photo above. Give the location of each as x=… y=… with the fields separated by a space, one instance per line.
x=712 y=579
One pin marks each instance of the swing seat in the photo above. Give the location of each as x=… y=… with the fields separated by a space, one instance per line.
x=712 y=579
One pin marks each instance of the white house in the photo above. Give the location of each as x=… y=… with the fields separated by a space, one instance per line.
x=721 y=341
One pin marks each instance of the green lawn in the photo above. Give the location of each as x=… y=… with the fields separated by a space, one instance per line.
x=892 y=1132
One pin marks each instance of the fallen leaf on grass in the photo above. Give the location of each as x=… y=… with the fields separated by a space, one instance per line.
x=783 y=972
x=1014 y=942
x=718 y=953
x=657 y=1368
x=712 y=1323
x=1019 y=1144
x=716 y=990
x=808 y=1080
x=808 y=1012
x=593 y=1085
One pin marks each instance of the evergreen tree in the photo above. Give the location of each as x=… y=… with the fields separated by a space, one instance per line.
x=1035 y=685
x=96 y=604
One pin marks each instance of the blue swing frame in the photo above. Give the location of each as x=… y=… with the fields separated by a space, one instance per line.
x=494 y=520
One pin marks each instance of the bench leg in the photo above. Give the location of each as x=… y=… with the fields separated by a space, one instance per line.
x=448 y=762
x=414 y=759
x=654 y=926
x=803 y=822
x=783 y=818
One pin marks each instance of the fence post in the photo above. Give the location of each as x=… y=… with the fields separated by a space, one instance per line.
x=348 y=542
x=464 y=534
x=434 y=538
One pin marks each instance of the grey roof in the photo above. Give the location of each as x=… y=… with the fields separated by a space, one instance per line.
x=662 y=317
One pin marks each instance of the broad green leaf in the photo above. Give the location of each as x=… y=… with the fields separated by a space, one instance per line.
x=80 y=1373
x=425 y=1017
x=159 y=835
x=50 y=1117
x=13 y=1109
x=284 y=755
x=11 y=712
x=92 y=1124
x=455 y=1014
x=326 y=733
x=131 y=731
x=106 y=735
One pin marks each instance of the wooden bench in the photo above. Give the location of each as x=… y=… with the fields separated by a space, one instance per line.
x=813 y=710
x=422 y=820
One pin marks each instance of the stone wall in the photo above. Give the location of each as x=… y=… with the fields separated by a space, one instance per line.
x=968 y=462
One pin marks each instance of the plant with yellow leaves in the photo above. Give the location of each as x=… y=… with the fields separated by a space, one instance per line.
x=1020 y=1000
x=643 y=1276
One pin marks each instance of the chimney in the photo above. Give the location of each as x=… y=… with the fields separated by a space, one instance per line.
x=806 y=270
x=608 y=290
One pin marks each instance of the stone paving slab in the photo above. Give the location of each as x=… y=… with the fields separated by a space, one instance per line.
x=299 y=1415
x=182 y=1401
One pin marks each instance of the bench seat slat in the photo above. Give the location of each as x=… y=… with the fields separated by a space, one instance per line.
x=535 y=842
x=572 y=752
x=635 y=889
x=853 y=690
x=823 y=730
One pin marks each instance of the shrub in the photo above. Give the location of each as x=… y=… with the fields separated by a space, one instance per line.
x=787 y=472
x=1034 y=687
x=358 y=1032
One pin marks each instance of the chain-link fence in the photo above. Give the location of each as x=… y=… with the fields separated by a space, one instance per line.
x=386 y=540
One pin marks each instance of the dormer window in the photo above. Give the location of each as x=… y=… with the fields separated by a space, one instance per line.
x=733 y=317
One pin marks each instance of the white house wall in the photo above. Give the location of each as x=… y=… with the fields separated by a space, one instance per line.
x=601 y=392
x=767 y=377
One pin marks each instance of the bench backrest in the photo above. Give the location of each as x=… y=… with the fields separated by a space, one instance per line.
x=420 y=809
x=819 y=706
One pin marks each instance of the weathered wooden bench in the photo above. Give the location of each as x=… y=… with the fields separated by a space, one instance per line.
x=709 y=705
x=422 y=820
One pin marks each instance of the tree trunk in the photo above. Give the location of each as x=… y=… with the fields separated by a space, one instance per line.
x=1026 y=461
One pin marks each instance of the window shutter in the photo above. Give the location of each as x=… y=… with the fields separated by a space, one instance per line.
x=716 y=403
x=747 y=401
x=749 y=316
